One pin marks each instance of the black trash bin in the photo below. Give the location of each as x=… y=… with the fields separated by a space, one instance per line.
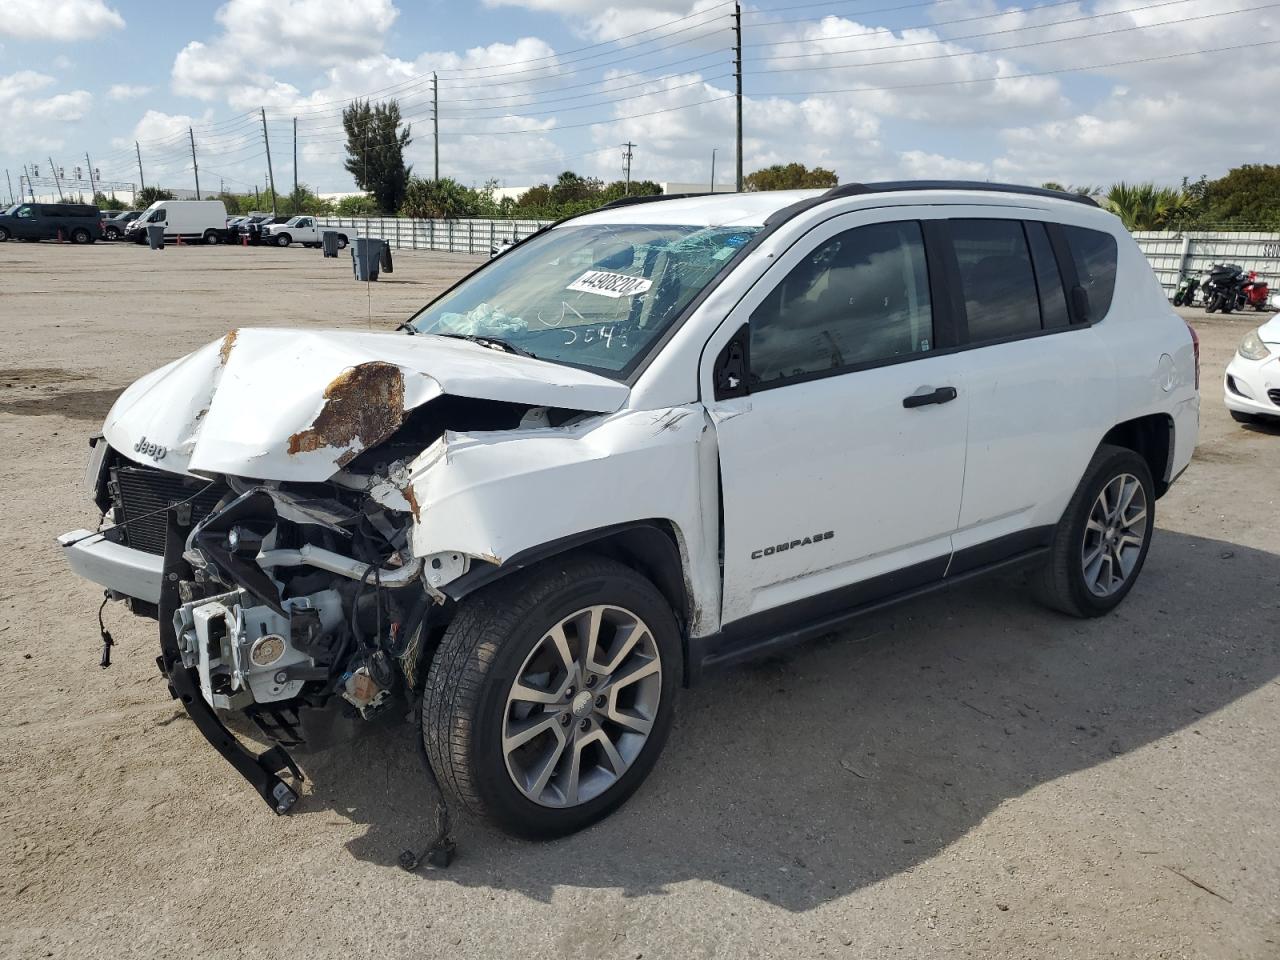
x=329 y=243
x=366 y=256
x=155 y=236
x=385 y=259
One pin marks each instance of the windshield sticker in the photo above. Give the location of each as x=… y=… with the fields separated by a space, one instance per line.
x=615 y=285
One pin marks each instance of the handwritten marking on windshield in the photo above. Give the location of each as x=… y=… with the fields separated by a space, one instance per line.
x=593 y=334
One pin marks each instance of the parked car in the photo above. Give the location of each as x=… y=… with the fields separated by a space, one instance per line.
x=115 y=222
x=302 y=230
x=1251 y=385
x=651 y=441
x=195 y=221
x=75 y=222
x=255 y=225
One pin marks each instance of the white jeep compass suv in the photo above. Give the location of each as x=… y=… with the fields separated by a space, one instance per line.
x=643 y=443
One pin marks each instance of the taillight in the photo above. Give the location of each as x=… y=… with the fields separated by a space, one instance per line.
x=1195 y=348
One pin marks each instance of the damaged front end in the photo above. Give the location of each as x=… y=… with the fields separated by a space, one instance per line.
x=277 y=603
x=260 y=506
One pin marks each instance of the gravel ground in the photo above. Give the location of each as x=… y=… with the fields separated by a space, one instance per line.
x=965 y=775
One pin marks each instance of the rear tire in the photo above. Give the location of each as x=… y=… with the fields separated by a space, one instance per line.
x=81 y=235
x=572 y=763
x=211 y=237
x=1101 y=527
x=342 y=243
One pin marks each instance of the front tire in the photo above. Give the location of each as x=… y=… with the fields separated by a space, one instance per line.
x=4 y=234
x=551 y=695
x=283 y=240
x=1101 y=542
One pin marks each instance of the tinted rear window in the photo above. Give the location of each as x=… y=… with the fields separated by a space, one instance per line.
x=1094 y=253
x=996 y=279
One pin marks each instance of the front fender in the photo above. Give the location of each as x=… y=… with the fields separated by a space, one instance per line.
x=499 y=497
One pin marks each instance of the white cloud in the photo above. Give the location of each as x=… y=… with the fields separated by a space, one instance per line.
x=919 y=165
x=126 y=91
x=260 y=37
x=58 y=19
x=31 y=121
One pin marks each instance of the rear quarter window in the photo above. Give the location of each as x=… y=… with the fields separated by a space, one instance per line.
x=1094 y=254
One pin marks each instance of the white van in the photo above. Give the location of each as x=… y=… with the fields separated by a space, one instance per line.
x=191 y=220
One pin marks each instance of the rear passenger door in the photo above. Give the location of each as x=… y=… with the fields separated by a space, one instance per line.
x=1040 y=384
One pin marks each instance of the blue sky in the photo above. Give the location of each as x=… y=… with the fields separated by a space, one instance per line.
x=873 y=89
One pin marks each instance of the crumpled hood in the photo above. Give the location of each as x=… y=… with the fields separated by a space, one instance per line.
x=298 y=405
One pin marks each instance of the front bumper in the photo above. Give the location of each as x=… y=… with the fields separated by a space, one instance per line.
x=122 y=570
x=1248 y=386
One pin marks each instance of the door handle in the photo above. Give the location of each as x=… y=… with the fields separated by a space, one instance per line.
x=924 y=396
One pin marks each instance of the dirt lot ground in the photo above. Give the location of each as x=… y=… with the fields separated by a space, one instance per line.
x=969 y=775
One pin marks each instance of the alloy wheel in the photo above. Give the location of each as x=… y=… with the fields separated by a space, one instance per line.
x=582 y=706
x=1114 y=535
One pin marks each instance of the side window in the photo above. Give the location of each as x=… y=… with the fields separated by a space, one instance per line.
x=1053 y=299
x=157 y=216
x=1094 y=253
x=862 y=297
x=996 y=278
x=24 y=213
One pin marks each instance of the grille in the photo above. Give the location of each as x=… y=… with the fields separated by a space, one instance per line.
x=1275 y=396
x=143 y=494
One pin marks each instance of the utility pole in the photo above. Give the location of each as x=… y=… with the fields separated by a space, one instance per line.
x=713 y=169
x=270 y=175
x=626 y=160
x=57 y=181
x=737 y=78
x=295 y=161
x=435 y=121
x=195 y=168
x=10 y=182
x=92 y=189
x=141 y=179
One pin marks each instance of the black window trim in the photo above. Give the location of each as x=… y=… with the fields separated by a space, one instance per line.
x=949 y=315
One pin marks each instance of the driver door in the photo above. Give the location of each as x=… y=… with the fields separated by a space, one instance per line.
x=842 y=456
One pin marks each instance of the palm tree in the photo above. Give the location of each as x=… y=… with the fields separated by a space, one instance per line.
x=1145 y=206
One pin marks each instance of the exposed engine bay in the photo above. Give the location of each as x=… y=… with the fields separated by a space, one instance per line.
x=302 y=592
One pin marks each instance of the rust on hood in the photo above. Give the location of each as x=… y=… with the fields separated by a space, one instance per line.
x=229 y=341
x=364 y=403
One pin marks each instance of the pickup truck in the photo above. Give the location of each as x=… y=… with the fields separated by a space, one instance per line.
x=302 y=230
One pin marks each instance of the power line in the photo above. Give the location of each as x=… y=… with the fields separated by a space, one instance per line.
x=990 y=50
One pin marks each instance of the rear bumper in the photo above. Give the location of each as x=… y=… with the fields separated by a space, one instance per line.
x=127 y=572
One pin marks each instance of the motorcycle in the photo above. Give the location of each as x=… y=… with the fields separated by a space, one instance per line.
x=1254 y=293
x=1222 y=288
x=1186 y=291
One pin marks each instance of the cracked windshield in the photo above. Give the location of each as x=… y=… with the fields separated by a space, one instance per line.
x=594 y=296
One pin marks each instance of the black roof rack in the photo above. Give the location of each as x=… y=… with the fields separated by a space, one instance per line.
x=902 y=186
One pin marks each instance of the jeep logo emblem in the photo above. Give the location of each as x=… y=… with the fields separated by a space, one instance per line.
x=148 y=449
